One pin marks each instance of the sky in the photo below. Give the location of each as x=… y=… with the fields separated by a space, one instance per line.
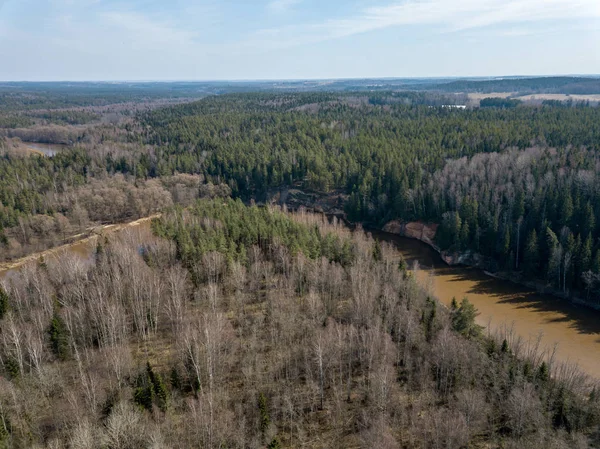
x=78 y=40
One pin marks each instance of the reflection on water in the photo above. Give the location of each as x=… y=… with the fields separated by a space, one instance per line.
x=46 y=149
x=500 y=303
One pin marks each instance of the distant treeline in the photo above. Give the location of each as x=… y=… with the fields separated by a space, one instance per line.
x=37 y=95
x=553 y=84
x=499 y=103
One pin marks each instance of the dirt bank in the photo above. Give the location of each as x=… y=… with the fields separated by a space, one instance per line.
x=424 y=232
x=81 y=239
x=294 y=198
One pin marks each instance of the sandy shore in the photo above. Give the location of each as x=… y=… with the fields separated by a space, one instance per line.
x=79 y=239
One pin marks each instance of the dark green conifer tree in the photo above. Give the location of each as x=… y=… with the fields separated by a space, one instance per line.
x=59 y=337
x=531 y=255
x=4 y=302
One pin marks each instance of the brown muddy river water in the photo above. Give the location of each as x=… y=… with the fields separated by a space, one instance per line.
x=573 y=330
x=83 y=249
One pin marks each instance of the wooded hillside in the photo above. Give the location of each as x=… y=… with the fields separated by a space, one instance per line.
x=248 y=327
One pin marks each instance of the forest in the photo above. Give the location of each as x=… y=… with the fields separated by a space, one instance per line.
x=517 y=185
x=233 y=322
x=549 y=84
x=252 y=327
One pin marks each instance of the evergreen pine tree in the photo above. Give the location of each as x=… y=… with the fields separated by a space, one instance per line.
x=274 y=444
x=402 y=264
x=176 y=382
x=543 y=373
x=589 y=221
x=3 y=302
x=265 y=420
x=465 y=235
x=454 y=304
x=377 y=254
x=531 y=255
x=596 y=262
x=586 y=255
x=430 y=319
x=160 y=390
x=5 y=430
x=463 y=319
x=59 y=340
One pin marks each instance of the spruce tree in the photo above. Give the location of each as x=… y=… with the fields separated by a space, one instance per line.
x=176 y=382
x=464 y=235
x=402 y=266
x=589 y=221
x=454 y=304
x=3 y=302
x=543 y=373
x=5 y=430
x=274 y=444
x=586 y=255
x=463 y=319
x=158 y=387
x=531 y=256
x=59 y=338
x=150 y=389
x=265 y=420
x=430 y=319
x=377 y=254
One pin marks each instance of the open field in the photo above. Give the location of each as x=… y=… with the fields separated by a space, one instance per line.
x=477 y=96
x=560 y=97
x=480 y=96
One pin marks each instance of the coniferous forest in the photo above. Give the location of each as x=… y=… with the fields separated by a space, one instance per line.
x=518 y=185
x=230 y=324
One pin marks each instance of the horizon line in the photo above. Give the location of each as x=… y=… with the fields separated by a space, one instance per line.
x=290 y=80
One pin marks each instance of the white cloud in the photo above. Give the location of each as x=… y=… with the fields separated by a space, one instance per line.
x=448 y=15
x=117 y=39
x=281 y=6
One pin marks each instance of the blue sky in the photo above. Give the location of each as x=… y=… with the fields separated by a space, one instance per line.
x=294 y=39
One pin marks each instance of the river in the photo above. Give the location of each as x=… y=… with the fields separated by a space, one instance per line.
x=83 y=248
x=575 y=329
x=46 y=149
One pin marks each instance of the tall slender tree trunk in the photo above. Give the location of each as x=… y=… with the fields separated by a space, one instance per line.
x=519 y=222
